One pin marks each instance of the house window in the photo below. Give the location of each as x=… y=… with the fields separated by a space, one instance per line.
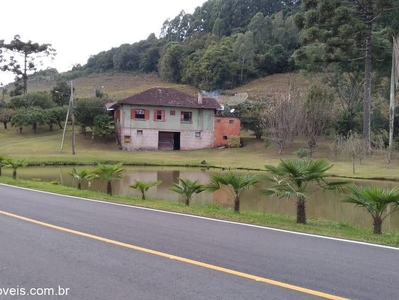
x=126 y=138
x=217 y=120
x=172 y=113
x=159 y=115
x=231 y=121
x=225 y=137
x=186 y=116
x=139 y=132
x=198 y=134
x=139 y=114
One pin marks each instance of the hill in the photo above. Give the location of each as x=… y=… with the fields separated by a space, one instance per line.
x=117 y=86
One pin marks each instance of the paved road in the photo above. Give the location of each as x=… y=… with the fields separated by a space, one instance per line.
x=36 y=256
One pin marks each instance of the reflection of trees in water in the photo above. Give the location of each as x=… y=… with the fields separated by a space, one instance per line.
x=325 y=205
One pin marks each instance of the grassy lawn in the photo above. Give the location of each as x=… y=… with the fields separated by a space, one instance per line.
x=314 y=226
x=44 y=149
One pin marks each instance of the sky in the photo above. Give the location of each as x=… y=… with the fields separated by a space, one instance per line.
x=78 y=29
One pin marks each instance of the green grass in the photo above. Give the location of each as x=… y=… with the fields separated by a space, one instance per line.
x=314 y=226
x=44 y=147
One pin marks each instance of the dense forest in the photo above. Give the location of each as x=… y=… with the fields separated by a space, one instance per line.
x=221 y=45
x=226 y=43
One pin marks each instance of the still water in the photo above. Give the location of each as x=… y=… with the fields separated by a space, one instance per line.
x=325 y=205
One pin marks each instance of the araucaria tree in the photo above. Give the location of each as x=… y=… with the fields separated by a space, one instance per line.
x=341 y=33
x=29 y=52
x=299 y=179
x=376 y=201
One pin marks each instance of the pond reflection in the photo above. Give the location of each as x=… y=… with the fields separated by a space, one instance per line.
x=325 y=205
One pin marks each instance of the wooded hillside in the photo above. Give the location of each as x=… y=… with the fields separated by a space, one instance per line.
x=230 y=46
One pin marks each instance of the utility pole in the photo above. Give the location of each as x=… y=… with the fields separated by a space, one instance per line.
x=72 y=120
x=70 y=110
x=65 y=126
x=394 y=85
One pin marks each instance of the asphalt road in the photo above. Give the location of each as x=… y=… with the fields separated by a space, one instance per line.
x=106 y=251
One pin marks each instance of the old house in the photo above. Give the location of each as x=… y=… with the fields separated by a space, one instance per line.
x=167 y=119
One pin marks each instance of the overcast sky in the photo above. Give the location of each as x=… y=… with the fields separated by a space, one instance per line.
x=78 y=29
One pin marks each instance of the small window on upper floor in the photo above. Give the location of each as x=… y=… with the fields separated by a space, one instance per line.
x=186 y=117
x=139 y=132
x=159 y=115
x=231 y=121
x=139 y=114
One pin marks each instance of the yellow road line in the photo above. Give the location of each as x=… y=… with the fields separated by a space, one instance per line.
x=178 y=258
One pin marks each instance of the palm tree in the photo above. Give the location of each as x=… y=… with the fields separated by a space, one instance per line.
x=109 y=173
x=376 y=201
x=80 y=176
x=3 y=160
x=14 y=164
x=187 y=189
x=235 y=183
x=299 y=178
x=144 y=186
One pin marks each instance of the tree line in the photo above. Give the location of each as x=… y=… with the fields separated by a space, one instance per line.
x=39 y=109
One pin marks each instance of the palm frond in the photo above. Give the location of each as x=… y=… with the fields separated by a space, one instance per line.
x=109 y=172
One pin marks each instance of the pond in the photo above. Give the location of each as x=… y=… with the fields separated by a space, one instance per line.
x=325 y=205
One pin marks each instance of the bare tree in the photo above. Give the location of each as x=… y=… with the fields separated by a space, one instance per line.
x=336 y=145
x=317 y=112
x=284 y=119
x=355 y=147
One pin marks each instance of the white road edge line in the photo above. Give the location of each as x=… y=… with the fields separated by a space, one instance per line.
x=209 y=219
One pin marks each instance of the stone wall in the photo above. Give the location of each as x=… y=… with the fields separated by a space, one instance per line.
x=193 y=140
x=147 y=139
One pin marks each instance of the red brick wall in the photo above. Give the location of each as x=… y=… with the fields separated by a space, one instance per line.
x=224 y=128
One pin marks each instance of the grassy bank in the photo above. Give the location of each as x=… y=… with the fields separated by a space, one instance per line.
x=314 y=226
x=44 y=148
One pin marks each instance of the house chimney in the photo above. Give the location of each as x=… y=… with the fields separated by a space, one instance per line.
x=199 y=98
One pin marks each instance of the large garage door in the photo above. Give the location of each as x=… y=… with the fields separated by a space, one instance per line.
x=168 y=140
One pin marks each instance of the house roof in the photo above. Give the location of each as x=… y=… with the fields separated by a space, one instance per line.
x=160 y=96
x=109 y=105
